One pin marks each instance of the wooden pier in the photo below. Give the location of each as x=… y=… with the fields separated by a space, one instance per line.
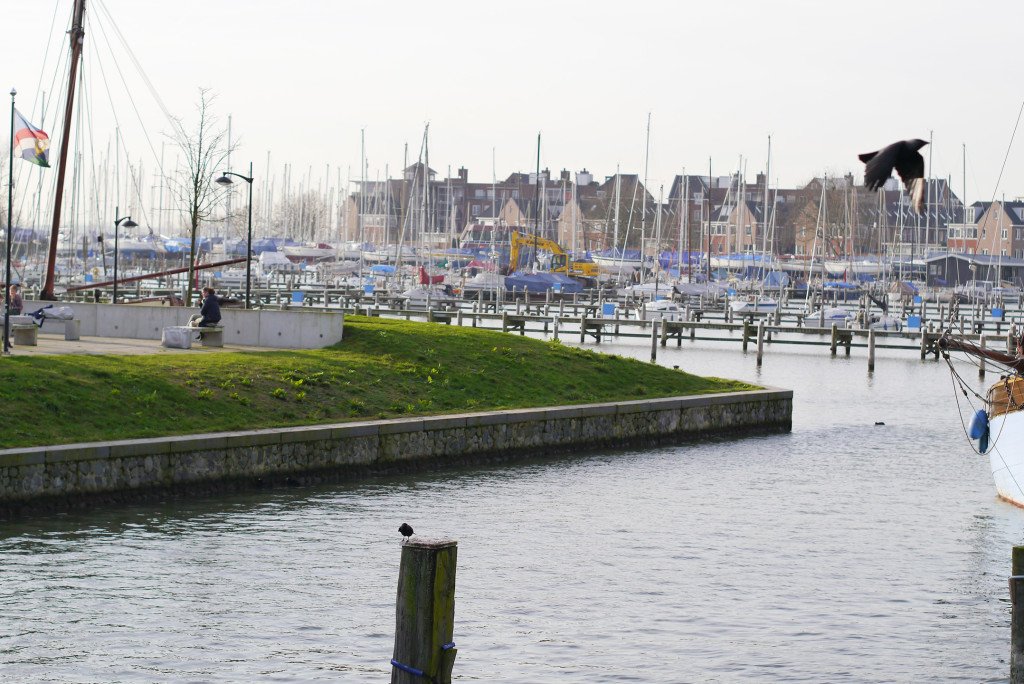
x=596 y=315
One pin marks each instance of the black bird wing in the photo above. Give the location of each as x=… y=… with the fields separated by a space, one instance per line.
x=879 y=165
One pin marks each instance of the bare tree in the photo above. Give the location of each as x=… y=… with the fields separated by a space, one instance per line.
x=205 y=150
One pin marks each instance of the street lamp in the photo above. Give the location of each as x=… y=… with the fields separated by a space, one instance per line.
x=225 y=181
x=127 y=222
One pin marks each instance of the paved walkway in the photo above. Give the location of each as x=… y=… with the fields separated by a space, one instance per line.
x=54 y=343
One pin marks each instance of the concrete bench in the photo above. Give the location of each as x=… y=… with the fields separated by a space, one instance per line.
x=177 y=337
x=25 y=334
x=71 y=326
x=211 y=335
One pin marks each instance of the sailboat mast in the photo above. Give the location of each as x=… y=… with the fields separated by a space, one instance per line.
x=536 y=196
x=764 y=210
x=77 y=37
x=710 y=209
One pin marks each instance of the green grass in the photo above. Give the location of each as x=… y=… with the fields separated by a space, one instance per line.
x=382 y=369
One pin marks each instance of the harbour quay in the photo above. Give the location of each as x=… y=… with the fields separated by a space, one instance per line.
x=75 y=475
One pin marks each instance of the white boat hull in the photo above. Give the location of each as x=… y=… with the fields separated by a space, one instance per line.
x=760 y=306
x=1006 y=456
x=612 y=264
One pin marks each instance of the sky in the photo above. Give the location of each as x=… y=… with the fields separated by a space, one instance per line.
x=305 y=80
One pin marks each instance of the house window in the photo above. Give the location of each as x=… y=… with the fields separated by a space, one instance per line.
x=984 y=252
x=748 y=230
x=1003 y=252
x=1005 y=231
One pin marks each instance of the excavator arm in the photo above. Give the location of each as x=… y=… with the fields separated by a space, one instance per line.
x=560 y=264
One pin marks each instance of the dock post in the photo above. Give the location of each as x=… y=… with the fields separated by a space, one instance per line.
x=1017 y=617
x=981 y=366
x=760 y=341
x=583 y=328
x=504 y=321
x=746 y=334
x=835 y=339
x=425 y=613
x=924 y=344
x=561 y=308
x=664 y=331
x=821 y=323
x=871 y=351
x=554 y=328
x=458 y=318
x=654 y=341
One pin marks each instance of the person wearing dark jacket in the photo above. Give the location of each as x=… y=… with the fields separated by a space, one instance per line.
x=209 y=311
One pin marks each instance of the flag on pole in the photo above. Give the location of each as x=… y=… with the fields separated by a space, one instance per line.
x=30 y=143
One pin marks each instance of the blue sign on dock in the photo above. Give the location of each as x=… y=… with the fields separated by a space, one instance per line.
x=997 y=312
x=368 y=289
x=913 y=321
x=298 y=296
x=608 y=310
x=917 y=299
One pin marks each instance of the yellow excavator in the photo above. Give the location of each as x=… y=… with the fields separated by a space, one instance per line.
x=560 y=261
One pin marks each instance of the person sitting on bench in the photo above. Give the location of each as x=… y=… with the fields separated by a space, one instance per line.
x=209 y=311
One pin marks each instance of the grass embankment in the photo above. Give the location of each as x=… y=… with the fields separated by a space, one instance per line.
x=382 y=369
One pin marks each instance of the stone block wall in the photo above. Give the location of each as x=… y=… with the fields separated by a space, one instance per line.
x=67 y=475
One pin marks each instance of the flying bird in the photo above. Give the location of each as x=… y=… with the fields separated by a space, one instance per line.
x=406 y=531
x=908 y=162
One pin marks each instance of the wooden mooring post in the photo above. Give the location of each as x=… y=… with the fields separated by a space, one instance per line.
x=871 y=351
x=1017 y=617
x=425 y=613
x=760 y=342
x=654 y=341
x=981 y=366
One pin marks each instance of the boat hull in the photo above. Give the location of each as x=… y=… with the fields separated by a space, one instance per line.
x=1006 y=456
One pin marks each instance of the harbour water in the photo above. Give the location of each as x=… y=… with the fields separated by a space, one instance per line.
x=843 y=551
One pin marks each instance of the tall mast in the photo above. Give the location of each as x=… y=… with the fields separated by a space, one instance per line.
x=710 y=209
x=764 y=210
x=77 y=37
x=536 y=196
x=643 y=197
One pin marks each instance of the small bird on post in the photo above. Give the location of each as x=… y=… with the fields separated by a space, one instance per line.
x=406 y=531
x=908 y=162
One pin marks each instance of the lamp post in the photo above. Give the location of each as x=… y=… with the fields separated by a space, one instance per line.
x=225 y=181
x=127 y=222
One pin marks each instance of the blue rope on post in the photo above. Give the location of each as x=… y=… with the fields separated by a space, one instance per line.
x=409 y=669
x=420 y=673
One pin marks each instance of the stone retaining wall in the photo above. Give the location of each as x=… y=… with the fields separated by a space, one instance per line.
x=77 y=474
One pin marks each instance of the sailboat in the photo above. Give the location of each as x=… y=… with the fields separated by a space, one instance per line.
x=755 y=303
x=998 y=428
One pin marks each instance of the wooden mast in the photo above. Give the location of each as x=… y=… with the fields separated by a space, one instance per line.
x=77 y=36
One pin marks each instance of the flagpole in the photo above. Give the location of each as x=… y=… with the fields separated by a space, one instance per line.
x=10 y=204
